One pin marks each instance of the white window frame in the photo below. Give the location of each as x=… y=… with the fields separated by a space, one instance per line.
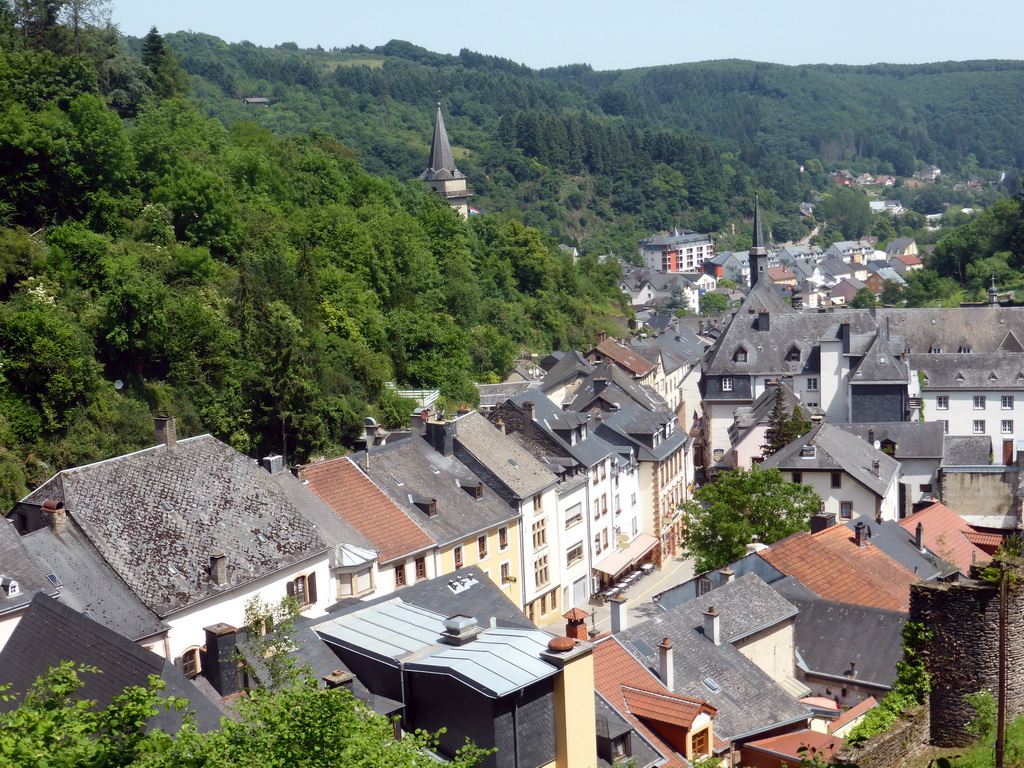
x=1006 y=402
x=727 y=383
x=980 y=402
x=812 y=383
x=1006 y=427
x=942 y=402
x=979 y=427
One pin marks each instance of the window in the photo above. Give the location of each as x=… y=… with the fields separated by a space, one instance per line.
x=793 y=356
x=979 y=427
x=945 y=426
x=704 y=586
x=632 y=499
x=620 y=748
x=458 y=557
x=837 y=479
x=604 y=503
x=400 y=575
x=354 y=584
x=935 y=349
x=537 y=503
x=303 y=589
x=481 y=547
x=597 y=509
x=979 y=402
x=798 y=477
x=807 y=452
x=740 y=356
x=503 y=538
x=942 y=402
x=700 y=743
x=812 y=384
x=1006 y=402
x=604 y=470
x=574 y=516
x=574 y=555
x=1006 y=426
x=421 y=568
x=604 y=538
x=597 y=544
x=846 y=510
x=541 y=576
x=540 y=533
x=506 y=574
x=963 y=350
x=926 y=487
x=727 y=383
x=190 y=663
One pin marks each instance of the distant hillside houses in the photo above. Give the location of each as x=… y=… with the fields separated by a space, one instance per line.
x=678 y=251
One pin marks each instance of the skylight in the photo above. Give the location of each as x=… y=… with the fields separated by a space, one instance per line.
x=55 y=580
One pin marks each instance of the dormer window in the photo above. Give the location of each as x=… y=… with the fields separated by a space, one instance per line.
x=964 y=349
x=807 y=452
x=10 y=586
x=793 y=356
x=935 y=349
x=727 y=383
x=740 y=356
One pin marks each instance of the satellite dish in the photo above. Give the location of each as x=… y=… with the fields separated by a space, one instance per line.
x=118 y=385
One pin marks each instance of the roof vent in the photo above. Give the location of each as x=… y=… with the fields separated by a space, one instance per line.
x=459 y=630
x=273 y=464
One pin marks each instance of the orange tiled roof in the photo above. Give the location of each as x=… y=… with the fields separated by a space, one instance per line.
x=618 y=675
x=624 y=357
x=945 y=533
x=985 y=540
x=576 y=614
x=831 y=565
x=788 y=744
x=369 y=510
x=852 y=713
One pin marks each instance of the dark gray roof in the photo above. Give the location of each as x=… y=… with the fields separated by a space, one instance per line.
x=747 y=418
x=747 y=699
x=989 y=329
x=412 y=471
x=496 y=394
x=556 y=423
x=616 y=386
x=914 y=439
x=829 y=635
x=881 y=362
x=569 y=366
x=890 y=537
x=631 y=427
x=837 y=450
x=18 y=564
x=157 y=515
x=1001 y=371
x=441 y=166
x=466 y=591
x=503 y=456
x=967 y=450
x=50 y=633
x=89 y=584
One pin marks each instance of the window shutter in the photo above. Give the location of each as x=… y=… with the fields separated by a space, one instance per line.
x=311 y=588
x=291 y=589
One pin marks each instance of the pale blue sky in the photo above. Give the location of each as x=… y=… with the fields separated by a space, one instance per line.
x=615 y=35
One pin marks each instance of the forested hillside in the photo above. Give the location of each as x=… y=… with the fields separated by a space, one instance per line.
x=260 y=287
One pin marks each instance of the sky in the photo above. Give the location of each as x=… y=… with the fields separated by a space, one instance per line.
x=614 y=35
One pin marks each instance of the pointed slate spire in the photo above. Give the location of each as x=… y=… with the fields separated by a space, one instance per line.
x=442 y=166
x=758 y=255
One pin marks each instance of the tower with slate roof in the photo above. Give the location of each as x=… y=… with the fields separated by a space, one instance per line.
x=442 y=175
x=758 y=253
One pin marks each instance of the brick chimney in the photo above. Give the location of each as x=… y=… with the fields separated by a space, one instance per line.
x=221 y=663
x=620 y=616
x=219 y=569
x=576 y=624
x=713 y=625
x=166 y=430
x=54 y=515
x=666 y=668
x=860 y=533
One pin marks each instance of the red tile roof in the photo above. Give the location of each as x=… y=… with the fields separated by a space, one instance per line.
x=625 y=358
x=576 y=614
x=945 y=533
x=788 y=744
x=350 y=493
x=852 y=713
x=989 y=542
x=624 y=682
x=831 y=565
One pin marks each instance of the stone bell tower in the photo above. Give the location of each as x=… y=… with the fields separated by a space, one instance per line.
x=442 y=175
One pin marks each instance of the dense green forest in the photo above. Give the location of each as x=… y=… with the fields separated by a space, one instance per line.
x=262 y=288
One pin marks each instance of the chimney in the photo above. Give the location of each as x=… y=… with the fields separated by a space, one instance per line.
x=852 y=673
x=822 y=520
x=844 y=336
x=728 y=575
x=713 y=625
x=273 y=464
x=575 y=718
x=528 y=418
x=221 y=663
x=500 y=425
x=418 y=422
x=339 y=678
x=620 y=617
x=599 y=384
x=576 y=624
x=219 y=569
x=763 y=320
x=54 y=515
x=166 y=430
x=666 y=669
x=463 y=411
x=860 y=532
x=755 y=545
x=459 y=630
x=871 y=435
x=441 y=435
x=919 y=537
x=874 y=467
x=601 y=336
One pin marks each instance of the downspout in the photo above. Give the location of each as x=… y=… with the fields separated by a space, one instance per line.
x=515 y=727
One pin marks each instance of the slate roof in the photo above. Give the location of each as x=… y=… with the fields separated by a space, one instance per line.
x=831 y=565
x=618 y=385
x=503 y=456
x=748 y=701
x=50 y=633
x=570 y=365
x=89 y=585
x=829 y=635
x=889 y=537
x=635 y=692
x=747 y=418
x=967 y=450
x=411 y=471
x=987 y=328
x=632 y=429
x=1000 y=371
x=354 y=497
x=496 y=394
x=945 y=533
x=914 y=439
x=441 y=165
x=172 y=507
x=17 y=563
x=837 y=450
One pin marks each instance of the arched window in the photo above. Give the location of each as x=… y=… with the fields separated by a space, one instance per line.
x=191 y=664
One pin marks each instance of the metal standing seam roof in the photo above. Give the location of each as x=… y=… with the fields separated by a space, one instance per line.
x=499 y=661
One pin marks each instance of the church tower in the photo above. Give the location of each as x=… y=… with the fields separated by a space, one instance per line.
x=442 y=175
x=758 y=255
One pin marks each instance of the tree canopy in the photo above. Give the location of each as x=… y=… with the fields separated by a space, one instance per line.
x=726 y=514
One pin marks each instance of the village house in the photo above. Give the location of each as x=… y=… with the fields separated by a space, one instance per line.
x=679 y=251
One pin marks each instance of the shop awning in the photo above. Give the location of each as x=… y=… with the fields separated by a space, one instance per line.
x=620 y=560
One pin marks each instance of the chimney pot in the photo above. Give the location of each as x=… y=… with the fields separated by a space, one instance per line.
x=54 y=515
x=713 y=625
x=666 y=665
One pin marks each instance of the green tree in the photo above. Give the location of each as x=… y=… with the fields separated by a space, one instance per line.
x=726 y=514
x=713 y=301
x=167 y=79
x=850 y=210
x=892 y=294
x=679 y=303
x=863 y=299
x=784 y=425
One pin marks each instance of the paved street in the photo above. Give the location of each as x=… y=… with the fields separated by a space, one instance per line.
x=639 y=605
